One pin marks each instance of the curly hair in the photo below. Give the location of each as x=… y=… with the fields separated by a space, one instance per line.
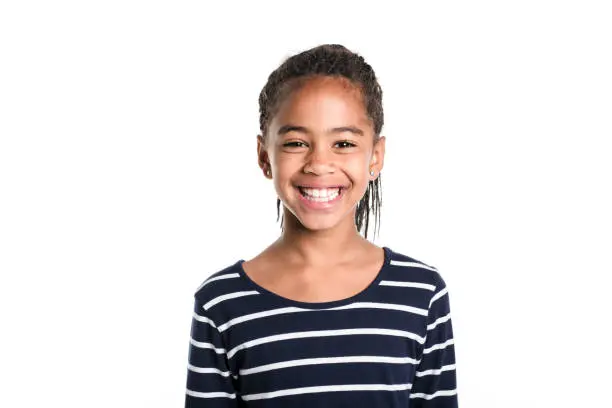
x=336 y=61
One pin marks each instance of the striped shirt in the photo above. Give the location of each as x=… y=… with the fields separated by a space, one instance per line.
x=391 y=345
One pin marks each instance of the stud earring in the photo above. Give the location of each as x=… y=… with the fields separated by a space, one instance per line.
x=372 y=173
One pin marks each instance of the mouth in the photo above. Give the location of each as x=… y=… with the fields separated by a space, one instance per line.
x=321 y=195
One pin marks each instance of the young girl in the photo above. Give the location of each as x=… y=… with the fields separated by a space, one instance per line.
x=322 y=317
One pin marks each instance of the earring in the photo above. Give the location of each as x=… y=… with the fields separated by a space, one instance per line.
x=268 y=172
x=372 y=173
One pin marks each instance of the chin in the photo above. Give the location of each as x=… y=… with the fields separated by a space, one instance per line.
x=313 y=221
x=318 y=224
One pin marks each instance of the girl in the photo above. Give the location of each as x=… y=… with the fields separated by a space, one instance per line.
x=322 y=317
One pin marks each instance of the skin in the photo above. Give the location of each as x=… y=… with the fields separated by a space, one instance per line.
x=320 y=135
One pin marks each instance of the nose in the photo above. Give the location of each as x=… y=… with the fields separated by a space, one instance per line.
x=319 y=161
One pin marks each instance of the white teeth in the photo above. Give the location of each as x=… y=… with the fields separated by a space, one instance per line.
x=320 y=195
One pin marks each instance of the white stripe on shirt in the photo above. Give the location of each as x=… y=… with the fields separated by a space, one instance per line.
x=285 y=310
x=228 y=296
x=325 y=333
x=441 y=393
x=402 y=284
x=438 y=321
x=328 y=388
x=438 y=296
x=329 y=360
x=207 y=370
x=210 y=394
x=449 y=367
x=439 y=346
x=413 y=264
x=259 y=315
x=216 y=278
x=204 y=319
x=204 y=345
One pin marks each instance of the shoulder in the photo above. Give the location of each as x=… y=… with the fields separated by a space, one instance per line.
x=219 y=283
x=408 y=267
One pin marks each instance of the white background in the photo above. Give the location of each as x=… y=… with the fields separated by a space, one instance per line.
x=128 y=174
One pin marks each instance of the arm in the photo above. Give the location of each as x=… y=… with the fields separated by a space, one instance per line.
x=435 y=382
x=209 y=380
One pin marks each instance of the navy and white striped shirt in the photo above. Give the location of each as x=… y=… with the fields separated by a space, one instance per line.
x=391 y=345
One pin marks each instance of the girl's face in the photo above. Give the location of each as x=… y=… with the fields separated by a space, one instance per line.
x=320 y=150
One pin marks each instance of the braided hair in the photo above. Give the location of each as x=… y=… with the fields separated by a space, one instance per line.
x=336 y=61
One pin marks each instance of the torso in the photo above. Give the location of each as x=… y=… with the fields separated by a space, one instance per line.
x=283 y=352
x=322 y=284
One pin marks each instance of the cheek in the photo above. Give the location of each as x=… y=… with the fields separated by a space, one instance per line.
x=284 y=169
x=285 y=165
x=357 y=167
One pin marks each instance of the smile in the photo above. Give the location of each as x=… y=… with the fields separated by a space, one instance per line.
x=319 y=198
x=320 y=195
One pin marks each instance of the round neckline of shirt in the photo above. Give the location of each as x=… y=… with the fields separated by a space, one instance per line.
x=319 y=305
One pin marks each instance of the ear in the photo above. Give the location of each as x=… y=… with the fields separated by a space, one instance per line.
x=262 y=156
x=378 y=157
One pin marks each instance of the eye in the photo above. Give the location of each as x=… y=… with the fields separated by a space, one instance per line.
x=294 y=144
x=345 y=144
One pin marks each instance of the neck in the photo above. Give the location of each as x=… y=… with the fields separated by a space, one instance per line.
x=323 y=247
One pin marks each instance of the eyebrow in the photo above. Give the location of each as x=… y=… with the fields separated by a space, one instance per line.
x=293 y=128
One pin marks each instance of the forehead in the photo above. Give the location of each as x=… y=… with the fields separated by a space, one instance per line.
x=323 y=99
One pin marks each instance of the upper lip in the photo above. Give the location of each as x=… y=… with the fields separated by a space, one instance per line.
x=320 y=186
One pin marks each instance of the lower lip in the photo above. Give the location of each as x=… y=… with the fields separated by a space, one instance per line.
x=320 y=205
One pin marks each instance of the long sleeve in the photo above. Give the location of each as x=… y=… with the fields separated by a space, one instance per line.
x=209 y=380
x=435 y=381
